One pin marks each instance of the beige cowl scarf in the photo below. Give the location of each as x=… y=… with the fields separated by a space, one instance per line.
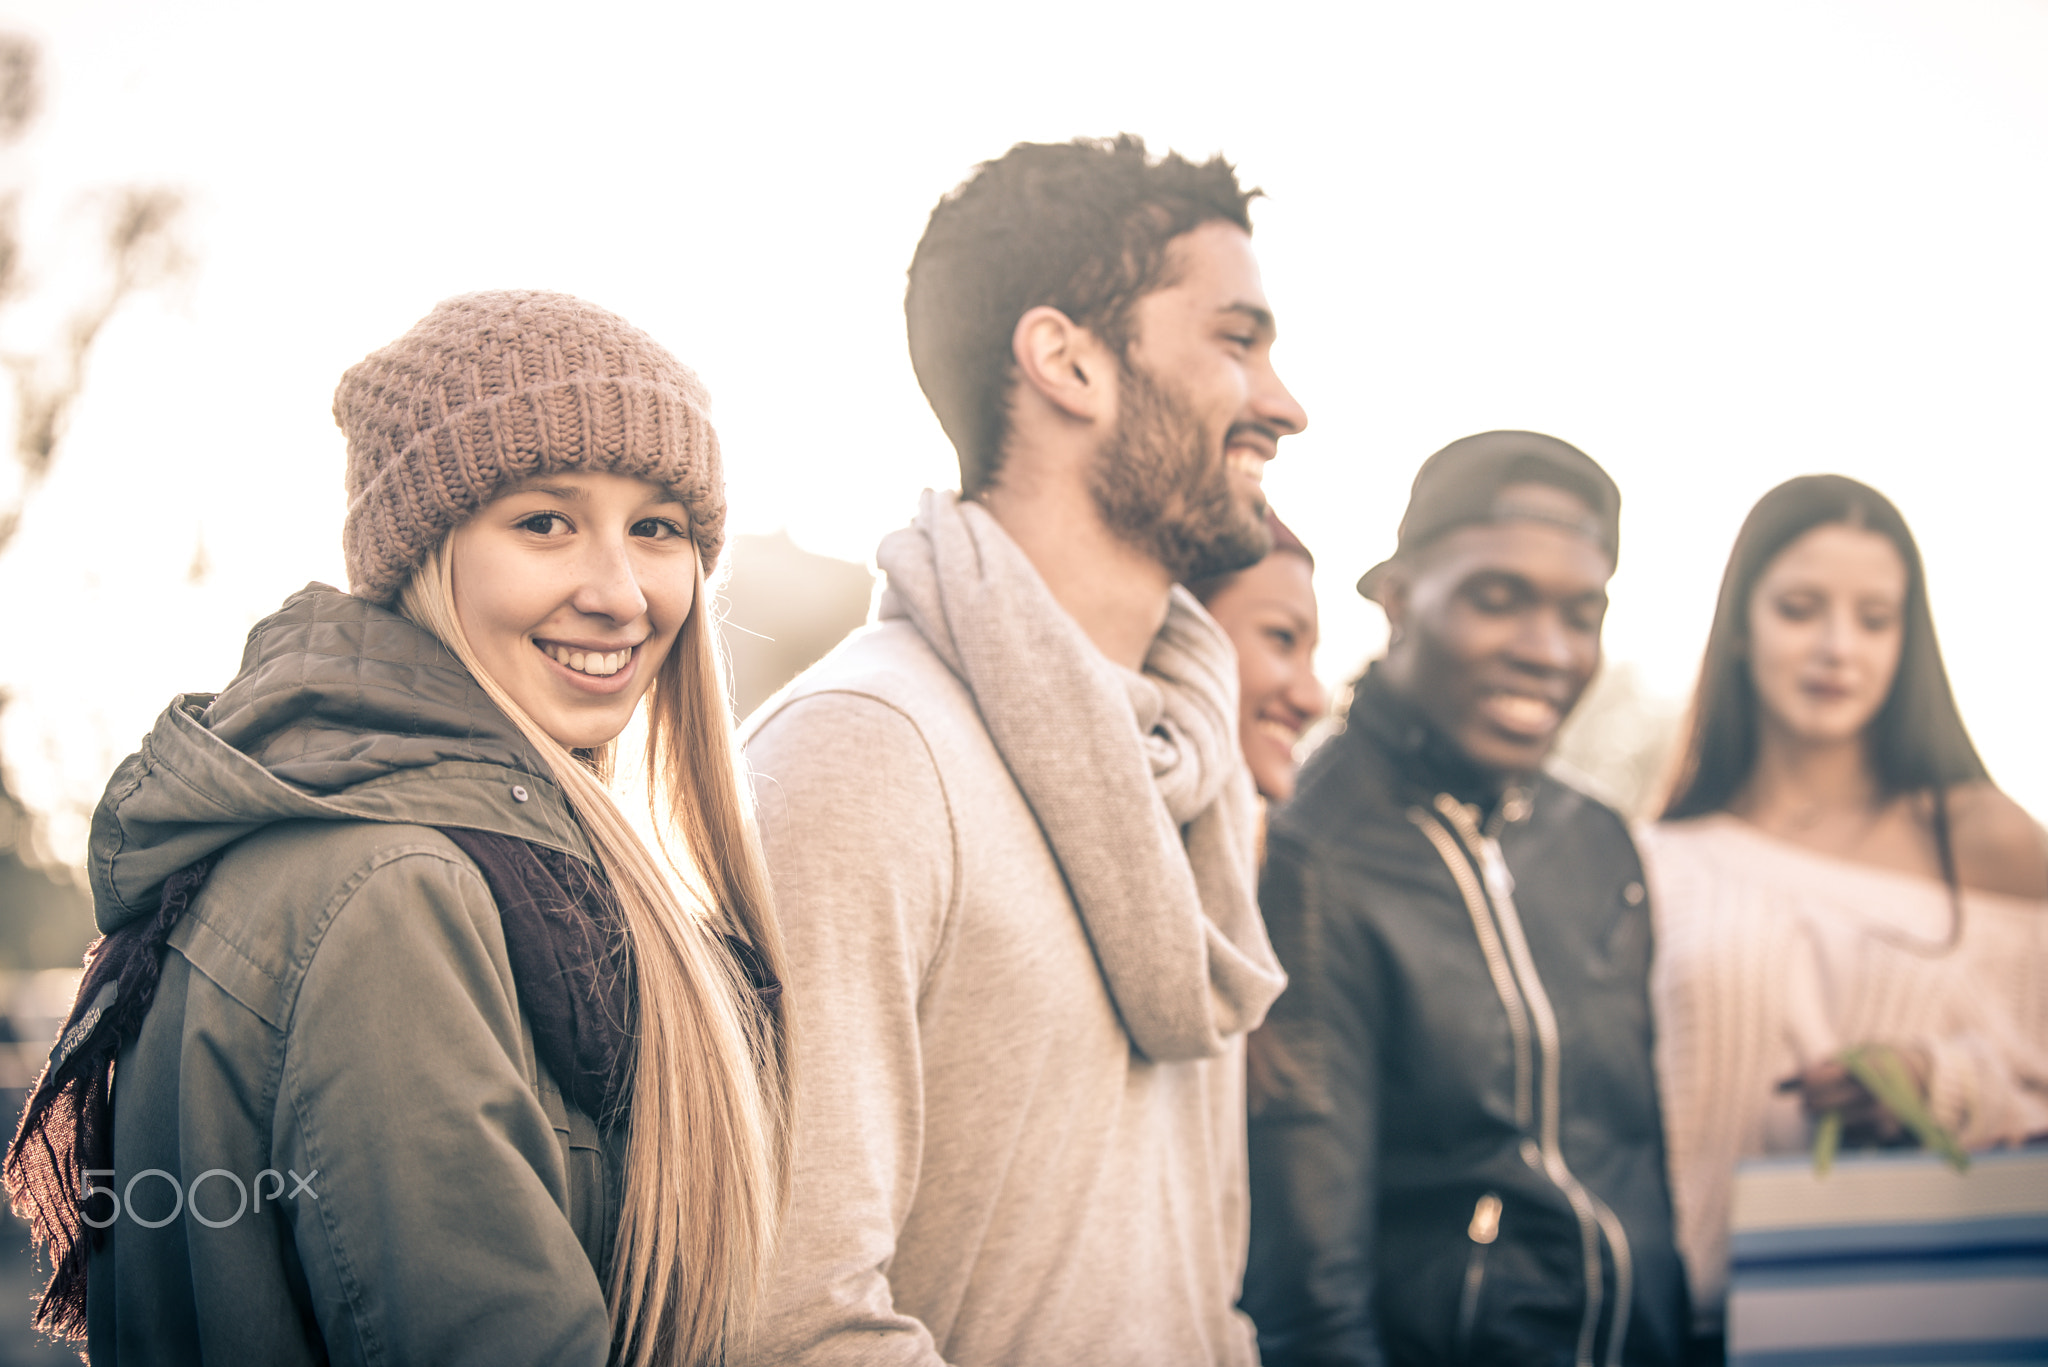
x=1136 y=779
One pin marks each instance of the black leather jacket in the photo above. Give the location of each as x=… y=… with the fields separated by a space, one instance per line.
x=1455 y=1147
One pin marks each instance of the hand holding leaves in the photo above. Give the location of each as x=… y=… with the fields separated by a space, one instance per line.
x=1873 y=1094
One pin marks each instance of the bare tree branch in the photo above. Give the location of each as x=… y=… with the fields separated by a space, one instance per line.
x=21 y=85
x=142 y=251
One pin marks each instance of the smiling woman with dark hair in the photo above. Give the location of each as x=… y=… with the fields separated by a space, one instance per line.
x=1834 y=868
x=1269 y=613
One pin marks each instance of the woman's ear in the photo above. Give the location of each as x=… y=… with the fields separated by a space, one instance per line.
x=1064 y=363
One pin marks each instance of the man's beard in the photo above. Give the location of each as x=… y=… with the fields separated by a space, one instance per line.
x=1161 y=484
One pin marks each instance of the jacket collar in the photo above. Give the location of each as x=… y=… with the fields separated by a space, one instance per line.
x=342 y=711
x=1421 y=756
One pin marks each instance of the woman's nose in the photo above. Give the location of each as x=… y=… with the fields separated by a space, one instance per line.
x=610 y=584
x=1835 y=634
x=1307 y=694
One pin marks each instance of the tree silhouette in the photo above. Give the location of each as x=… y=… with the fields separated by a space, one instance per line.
x=141 y=249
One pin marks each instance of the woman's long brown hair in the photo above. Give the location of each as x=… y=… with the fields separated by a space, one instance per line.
x=1916 y=743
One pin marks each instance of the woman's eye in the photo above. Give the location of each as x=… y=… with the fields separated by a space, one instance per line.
x=658 y=527
x=544 y=524
x=1797 y=609
x=1879 y=621
x=1281 y=637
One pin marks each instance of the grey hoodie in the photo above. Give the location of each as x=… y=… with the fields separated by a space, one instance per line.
x=332 y=1139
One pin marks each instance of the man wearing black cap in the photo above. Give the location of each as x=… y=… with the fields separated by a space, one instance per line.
x=1456 y=1153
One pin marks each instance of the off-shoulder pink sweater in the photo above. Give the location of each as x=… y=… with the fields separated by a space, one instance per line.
x=1771 y=958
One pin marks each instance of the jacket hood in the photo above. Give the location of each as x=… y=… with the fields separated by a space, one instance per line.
x=341 y=711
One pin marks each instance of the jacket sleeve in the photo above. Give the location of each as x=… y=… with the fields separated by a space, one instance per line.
x=860 y=849
x=1314 y=1086
x=430 y=1218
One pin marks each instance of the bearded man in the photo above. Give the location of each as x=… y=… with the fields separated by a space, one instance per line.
x=1008 y=825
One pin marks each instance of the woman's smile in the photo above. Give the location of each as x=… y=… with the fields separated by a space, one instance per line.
x=590 y=664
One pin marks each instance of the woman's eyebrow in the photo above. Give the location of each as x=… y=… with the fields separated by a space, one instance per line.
x=567 y=493
x=573 y=493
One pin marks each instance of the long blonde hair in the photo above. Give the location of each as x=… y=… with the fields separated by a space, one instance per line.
x=709 y=1141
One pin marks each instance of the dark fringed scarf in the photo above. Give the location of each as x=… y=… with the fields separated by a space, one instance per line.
x=565 y=939
x=68 y=1126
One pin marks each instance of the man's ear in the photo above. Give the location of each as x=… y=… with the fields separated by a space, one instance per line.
x=1065 y=363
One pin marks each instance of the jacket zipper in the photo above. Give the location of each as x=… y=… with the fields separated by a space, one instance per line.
x=1527 y=1005
x=1501 y=883
x=1496 y=959
x=1482 y=1231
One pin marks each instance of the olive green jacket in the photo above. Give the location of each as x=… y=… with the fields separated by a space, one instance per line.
x=332 y=1140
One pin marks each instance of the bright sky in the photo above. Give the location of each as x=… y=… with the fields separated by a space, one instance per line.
x=1713 y=245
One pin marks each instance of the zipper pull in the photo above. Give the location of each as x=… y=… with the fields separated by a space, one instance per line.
x=1500 y=880
x=1485 y=1226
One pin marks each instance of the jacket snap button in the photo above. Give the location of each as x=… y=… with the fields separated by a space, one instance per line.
x=518 y=793
x=1633 y=893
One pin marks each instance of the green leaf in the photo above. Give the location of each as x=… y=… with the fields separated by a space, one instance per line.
x=1827 y=1137
x=1880 y=1069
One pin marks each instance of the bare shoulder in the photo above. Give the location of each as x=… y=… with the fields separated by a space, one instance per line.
x=1999 y=848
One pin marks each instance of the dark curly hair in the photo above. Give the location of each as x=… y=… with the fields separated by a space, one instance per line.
x=1082 y=226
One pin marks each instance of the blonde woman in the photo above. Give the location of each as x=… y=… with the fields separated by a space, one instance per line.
x=400 y=1045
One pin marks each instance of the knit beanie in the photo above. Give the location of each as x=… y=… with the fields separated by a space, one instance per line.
x=491 y=389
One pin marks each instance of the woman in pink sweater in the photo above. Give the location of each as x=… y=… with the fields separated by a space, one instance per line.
x=1834 y=868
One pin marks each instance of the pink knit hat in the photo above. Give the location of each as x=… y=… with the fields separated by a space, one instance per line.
x=490 y=389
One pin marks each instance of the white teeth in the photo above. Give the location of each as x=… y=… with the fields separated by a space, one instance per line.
x=597 y=664
x=1524 y=713
x=1245 y=463
x=1280 y=731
